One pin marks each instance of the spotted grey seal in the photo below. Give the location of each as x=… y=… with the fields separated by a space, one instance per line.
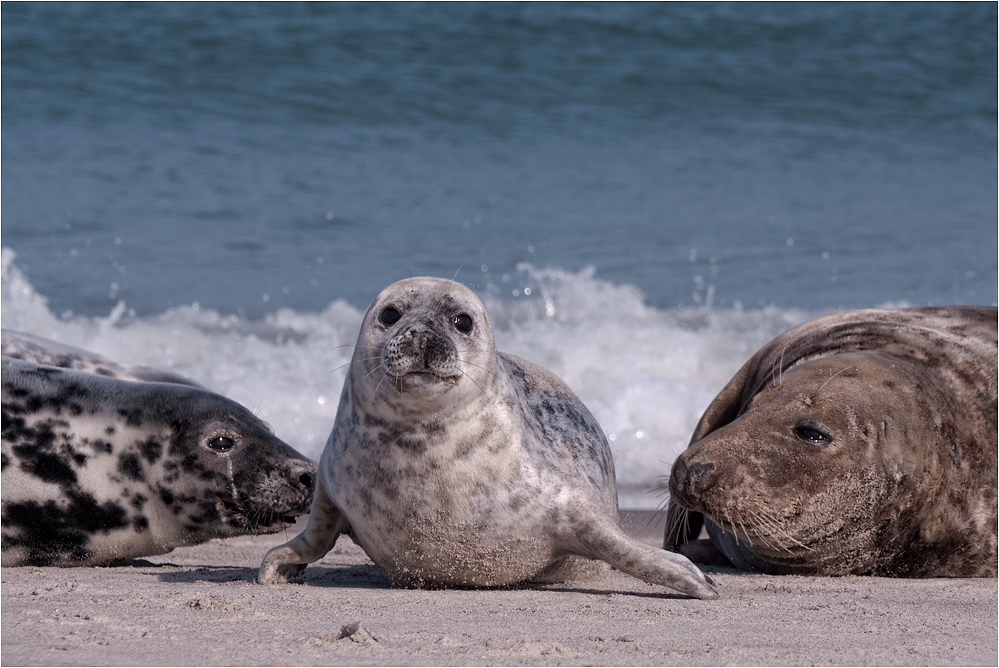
x=31 y=348
x=97 y=469
x=862 y=442
x=452 y=464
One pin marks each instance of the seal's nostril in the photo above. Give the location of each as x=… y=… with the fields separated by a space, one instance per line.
x=308 y=481
x=689 y=477
x=698 y=473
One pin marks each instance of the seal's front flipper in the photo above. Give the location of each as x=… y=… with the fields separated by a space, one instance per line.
x=326 y=523
x=603 y=539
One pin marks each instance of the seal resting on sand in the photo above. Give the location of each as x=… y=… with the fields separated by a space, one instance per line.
x=862 y=442
x=97 y=469
x=452 y=464
x=31 y=348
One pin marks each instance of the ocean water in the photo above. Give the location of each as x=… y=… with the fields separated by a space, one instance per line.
x=643 y=194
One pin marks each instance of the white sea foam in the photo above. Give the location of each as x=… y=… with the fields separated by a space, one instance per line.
x=645 y=373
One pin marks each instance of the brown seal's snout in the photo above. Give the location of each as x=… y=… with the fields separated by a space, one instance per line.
x=688 y=481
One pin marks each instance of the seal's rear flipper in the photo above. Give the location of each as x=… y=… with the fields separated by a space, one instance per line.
x=601 y=539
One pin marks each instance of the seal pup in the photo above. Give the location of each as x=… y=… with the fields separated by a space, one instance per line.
x=21 y=346
x=453 y=465
x=861 y=442
x=97 y=469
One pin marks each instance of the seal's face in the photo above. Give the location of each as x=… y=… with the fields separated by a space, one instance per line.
x=797 y=474
x=237 y=477
x=426 y=338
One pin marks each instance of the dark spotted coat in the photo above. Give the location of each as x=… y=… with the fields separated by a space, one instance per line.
x=98 y=469
x=30 y=348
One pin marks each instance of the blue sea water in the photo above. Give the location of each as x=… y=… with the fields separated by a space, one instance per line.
x=642 y=193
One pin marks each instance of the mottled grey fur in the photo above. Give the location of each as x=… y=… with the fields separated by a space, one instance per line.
x=862 y=442
x=28 y=347
x=452 y=464
x=97 y=469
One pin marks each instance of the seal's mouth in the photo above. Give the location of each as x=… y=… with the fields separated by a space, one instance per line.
x=253 y=518
x=257 y=521
x=771 y=534
x=416 y=381
x=679 y=496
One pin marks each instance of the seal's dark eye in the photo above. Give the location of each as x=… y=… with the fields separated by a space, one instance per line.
x=462 y=322
x=390 y=316
x=221 y=444
x=812 y=436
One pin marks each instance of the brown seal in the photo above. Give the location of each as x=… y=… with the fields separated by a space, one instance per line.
x=862 y=442
x=453 y=464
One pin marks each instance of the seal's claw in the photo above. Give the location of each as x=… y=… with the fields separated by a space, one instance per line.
x=275 y=568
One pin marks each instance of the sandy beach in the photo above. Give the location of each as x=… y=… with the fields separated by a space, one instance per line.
x=201 y=606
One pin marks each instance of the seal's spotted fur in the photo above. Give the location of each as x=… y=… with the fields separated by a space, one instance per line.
x=30 y=348
x=452 y=464
x=97 y=469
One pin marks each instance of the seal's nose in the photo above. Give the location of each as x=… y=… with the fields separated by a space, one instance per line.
x=302 y=475
x=420 y=333
x=687 y=481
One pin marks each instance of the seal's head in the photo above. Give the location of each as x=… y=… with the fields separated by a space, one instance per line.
x=797 y=474
x=425 y=338
x=859 y=443
x=227 y=463
x=98 y=469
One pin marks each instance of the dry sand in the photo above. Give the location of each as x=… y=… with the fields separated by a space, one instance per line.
x=200 y=606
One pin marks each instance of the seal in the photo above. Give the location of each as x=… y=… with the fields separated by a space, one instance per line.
x=451 y=464
x=862 y=442
x=21 y=346
x=97 y=469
